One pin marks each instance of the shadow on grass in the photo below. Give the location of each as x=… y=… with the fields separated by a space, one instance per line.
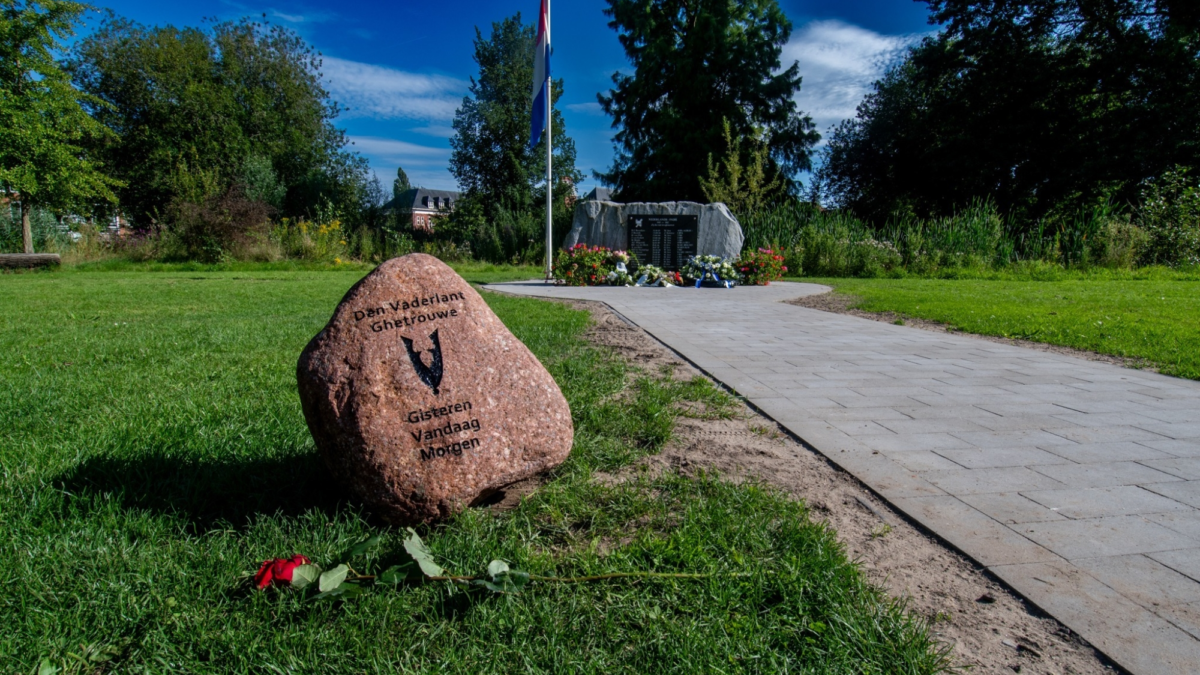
x=208 y=493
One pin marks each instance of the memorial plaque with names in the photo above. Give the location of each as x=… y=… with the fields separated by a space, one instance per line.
x=663 y=241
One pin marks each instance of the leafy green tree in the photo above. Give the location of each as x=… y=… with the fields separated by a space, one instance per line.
x=43 y=128
x=744 y=188
x=1039 y=105
x=491 y=159
x=696 y=63
x=198 y=111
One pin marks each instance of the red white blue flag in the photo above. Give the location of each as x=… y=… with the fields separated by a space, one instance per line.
x=541 y=75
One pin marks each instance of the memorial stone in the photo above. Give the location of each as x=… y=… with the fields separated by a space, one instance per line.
x=611 y=224
x=421 y=401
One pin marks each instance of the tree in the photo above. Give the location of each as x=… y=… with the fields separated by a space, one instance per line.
x=697 y=63
x=400 y=185
x=43 y=128
x=744 y=188
x=491 y=158
x=1040 y=106
x=198 y=111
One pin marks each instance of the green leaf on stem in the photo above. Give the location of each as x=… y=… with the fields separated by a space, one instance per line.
x=365 y=546
x=346 y=590
x=304 y=575
x=333 y=578
x=421 y=553
x=398 y=574
x=502 y=579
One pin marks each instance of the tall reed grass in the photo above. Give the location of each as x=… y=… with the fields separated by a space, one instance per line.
x=834 y=243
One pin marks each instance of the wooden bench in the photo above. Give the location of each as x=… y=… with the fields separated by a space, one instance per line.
x=28 y=260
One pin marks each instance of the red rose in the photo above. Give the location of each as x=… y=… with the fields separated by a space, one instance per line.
x=278 y=571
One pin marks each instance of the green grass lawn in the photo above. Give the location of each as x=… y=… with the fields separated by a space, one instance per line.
x=1153 y=319
x=152 y=452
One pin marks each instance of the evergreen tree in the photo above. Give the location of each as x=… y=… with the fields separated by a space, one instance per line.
x=491 y=159
x=400 y=185
x=695 y=64
x=43 y=128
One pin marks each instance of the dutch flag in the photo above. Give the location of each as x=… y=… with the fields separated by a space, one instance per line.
x=541 y=76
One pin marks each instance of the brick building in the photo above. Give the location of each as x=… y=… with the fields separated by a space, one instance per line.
x=423 y=206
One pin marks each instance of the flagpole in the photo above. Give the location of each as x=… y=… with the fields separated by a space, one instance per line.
x=549 y=155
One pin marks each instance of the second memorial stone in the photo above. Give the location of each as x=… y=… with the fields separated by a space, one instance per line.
x=422 y=401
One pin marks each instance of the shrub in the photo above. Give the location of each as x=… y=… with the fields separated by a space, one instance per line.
x=761 y=267
x=213 y=229
x=1170 y=215
x=1118 y=243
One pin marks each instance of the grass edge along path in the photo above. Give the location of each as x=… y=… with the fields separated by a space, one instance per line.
x=152 y=451
x=1150 y=320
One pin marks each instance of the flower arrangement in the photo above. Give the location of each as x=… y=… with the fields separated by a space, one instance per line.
x=761 y=267
x=584 y=265
x=710 y=268
x=619 y=278
x=650 y=275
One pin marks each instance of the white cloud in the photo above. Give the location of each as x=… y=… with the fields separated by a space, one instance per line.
x=438 y=130
x=380 y=92
x=315 y=17
x=403 y=153
x=839 y=62
x=592 y=108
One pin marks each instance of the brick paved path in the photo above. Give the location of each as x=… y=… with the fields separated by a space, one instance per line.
x=1074 y=481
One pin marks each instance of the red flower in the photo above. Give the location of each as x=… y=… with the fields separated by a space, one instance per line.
x=278 y=571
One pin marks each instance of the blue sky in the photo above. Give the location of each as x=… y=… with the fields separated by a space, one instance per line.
x=403 y=67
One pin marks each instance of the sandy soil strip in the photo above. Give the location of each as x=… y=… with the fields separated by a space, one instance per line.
x=990 y=629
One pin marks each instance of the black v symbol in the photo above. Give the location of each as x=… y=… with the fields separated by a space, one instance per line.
x=431 y=375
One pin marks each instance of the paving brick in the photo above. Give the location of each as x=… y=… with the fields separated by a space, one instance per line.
x=1142 y=579
x=911 y=426
x=1024 y=423
x=1186 y=617
x=1183 y=560
x=910 y=442
x=922 y=460
x=977 y=481
x=1187 y=492
x=1110 y=434
x=1018 y=437
x=1121 y=500
x=1099 y=537
x=1104 y=474
x=860 y=427
x=1134 y=637
x=1177 y=431
x=1186 y=447
x=1094 y=453
x=1010 y=508
x=1183 y=467
x=972 y=532
x=1186 y=523
x=984 y=458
